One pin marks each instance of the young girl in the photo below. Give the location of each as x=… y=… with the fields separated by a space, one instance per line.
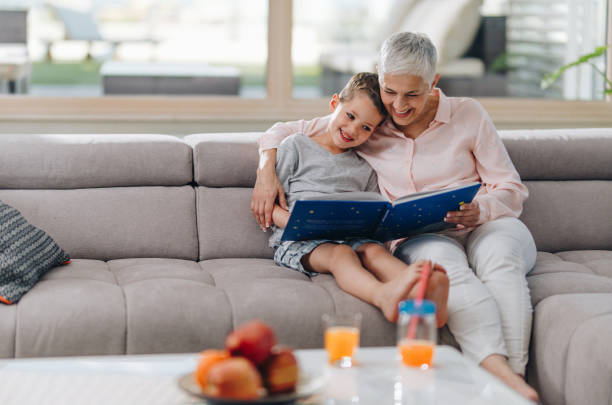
x=324 y=163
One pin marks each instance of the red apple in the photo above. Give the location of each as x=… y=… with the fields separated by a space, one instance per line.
x=234 y=378
x=252 y=340
x=280 y=371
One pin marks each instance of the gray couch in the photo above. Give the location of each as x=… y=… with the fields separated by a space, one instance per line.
x=167 y=257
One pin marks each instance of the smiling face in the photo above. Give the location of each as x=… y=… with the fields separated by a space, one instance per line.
x=405 y=97
x=353 y=121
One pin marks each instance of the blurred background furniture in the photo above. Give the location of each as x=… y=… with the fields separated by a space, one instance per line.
x=120 y=77
x=467 y=43
x=15 y=66
x=78 y=26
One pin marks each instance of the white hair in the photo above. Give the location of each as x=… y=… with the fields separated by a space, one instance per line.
x=408 y=53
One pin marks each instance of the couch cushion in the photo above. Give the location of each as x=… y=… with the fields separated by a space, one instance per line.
x=237 y=152
x=112 y=223
x=80 y=161
x=585 y=271
x=171 y=306
x=73 y=310
x=569 y=154
x=226 y=227
x=26 y=254
x=291 y=302
x=122 y=306
x=560 y=154
x=569 y=215
x=564 y=367
x=8 y=324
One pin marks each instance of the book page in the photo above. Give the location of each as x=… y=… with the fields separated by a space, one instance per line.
x=411 y=197
x=349 y=196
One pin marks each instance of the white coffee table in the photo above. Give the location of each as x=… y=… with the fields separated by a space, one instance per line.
x=152 y=379
x=380 y=378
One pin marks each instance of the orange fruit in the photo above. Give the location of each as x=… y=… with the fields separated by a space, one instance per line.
x=208 y=358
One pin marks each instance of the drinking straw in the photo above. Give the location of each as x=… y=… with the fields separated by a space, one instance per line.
x=419 y=299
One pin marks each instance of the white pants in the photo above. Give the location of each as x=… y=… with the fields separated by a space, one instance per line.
x=489 y=308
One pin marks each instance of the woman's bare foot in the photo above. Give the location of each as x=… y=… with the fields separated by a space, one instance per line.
x=498 y=366
x=390 y=294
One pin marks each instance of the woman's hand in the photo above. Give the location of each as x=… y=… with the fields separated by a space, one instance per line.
x=466 y=217
x=267 y=189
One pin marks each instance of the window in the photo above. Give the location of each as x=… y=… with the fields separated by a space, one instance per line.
x=545 y=34
x=285 y=55
x=200 y=47
x=490 y=48
x=334 y=39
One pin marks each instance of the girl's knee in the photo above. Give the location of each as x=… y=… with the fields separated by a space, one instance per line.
x=372 y=250
x=341 y=250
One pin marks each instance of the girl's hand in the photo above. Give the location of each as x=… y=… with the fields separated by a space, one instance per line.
x=267 y=189
x=466 y=217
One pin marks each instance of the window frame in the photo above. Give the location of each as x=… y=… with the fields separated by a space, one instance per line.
x=279 y=104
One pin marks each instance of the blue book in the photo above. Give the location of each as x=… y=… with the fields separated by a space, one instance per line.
x=370 y=215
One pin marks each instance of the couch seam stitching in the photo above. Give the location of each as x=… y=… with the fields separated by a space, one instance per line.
x=125 y=311
x=231 y=305
x=197 y=225
x=330 y=295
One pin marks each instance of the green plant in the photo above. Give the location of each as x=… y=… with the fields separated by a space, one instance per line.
x=550 y=78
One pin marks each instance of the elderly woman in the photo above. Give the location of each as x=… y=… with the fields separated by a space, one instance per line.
x=431 y=142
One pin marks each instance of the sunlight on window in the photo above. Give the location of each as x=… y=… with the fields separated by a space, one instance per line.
x=487 y=48
x=97 y=47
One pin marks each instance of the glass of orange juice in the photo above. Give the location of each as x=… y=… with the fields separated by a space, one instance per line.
x=417 y=332
x=342 y=338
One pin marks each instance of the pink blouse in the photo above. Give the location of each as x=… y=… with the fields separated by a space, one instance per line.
x=460 y=146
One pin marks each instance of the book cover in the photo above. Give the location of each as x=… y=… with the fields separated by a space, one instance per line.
x=333 y=218
x=423 y=213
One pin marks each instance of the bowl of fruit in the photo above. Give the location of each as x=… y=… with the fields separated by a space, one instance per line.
x=251 y=369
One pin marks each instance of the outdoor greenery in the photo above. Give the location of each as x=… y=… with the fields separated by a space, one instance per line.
x=88 y=72
x=550 y=78
x=66 y=73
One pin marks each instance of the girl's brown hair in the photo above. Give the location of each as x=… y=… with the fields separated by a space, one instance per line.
x=366 y=83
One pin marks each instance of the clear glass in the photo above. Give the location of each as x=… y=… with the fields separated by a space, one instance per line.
x=500 y=49
x=109 y=47
x=416 y=337
x=342 y=338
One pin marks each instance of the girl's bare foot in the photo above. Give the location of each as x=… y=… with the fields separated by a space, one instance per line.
x=437 y=288
x=498 y=366
x=437 y=291
x=392 y=292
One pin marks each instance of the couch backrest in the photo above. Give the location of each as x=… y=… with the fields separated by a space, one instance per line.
x=569 y=176
x=104 y=196
x=116 y=196
x=568 y=173
x=224 y=172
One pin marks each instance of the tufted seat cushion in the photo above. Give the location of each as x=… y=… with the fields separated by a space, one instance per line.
x=171 y=305
x=579 y=271
x=572 y=296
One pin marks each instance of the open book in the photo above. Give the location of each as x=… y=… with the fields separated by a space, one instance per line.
x=370 y=215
